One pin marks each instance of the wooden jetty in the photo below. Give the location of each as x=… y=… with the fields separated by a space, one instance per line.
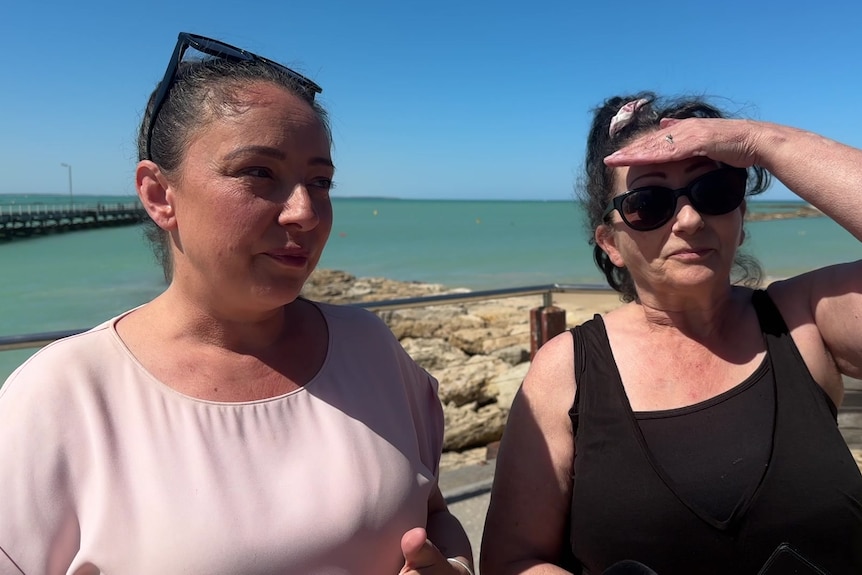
x=23 y=220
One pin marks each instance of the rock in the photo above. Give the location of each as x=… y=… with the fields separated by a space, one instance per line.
x=336 y=286
x=504 y=386
x=438 y=321
x=473 y=340
x=434 y=354
x=513 y=355
x=469 y=382
x=466 y=426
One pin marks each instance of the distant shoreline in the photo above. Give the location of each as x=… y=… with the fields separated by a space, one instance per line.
x=7 y=197
x=801 y=211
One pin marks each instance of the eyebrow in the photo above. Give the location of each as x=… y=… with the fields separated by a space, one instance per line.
x=275 y=153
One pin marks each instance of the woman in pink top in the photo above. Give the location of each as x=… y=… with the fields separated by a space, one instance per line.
x=229 y=425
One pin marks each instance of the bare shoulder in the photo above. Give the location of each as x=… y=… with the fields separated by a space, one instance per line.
x=548 y=390
x=553 y=361
x=550 y=382
x=540 y=411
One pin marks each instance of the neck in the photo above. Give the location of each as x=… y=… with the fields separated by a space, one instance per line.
x=223 y=326
x=700 y=315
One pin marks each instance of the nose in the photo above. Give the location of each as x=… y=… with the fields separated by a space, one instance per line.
x=299 y=210
x=687 y=218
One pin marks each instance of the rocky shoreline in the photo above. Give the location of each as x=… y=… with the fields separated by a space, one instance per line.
x=800 y=212
x=478 y=351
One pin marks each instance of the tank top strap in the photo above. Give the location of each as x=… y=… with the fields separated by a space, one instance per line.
x=786 y=360
x=595 y=369
x=771 y=322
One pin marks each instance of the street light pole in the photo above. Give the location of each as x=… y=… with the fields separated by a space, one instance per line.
x=71 y=198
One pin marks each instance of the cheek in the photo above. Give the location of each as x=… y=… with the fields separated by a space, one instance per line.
x=641 y=252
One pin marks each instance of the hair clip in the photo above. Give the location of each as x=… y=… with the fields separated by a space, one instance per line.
x=624 y=117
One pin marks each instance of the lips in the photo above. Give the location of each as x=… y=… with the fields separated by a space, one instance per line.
x=290 y=256
x=691 y=252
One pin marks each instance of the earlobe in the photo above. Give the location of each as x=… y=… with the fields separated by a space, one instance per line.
x=155 y=194
x=605 y=239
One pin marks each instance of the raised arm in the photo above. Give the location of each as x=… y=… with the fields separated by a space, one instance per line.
x=526 y=526
x=823 y=308
x=821 y=171
x=826 y=304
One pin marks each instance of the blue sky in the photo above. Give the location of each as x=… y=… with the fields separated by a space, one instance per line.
x=444 y=99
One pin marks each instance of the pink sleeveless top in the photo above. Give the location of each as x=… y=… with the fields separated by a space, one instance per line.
x=106 y=469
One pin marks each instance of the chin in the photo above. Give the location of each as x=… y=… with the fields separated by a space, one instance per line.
x=278 y=294
x=701 y=278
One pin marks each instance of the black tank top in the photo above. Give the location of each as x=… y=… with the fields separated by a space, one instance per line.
x=625 y=506
x=724 y=441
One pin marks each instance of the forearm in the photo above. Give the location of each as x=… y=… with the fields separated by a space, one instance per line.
x=821 y=171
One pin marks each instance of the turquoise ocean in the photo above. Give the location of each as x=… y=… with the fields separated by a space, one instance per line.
x=76 y=280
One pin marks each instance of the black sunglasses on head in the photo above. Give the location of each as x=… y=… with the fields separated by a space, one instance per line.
x=215 y=49
x=715 y=193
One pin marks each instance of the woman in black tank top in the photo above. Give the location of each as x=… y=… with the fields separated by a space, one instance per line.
x=692 y=430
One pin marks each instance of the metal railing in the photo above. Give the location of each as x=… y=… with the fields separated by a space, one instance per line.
x=13 y=210
x=547 y=291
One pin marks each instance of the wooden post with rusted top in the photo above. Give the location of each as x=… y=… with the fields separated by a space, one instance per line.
x=545 y=322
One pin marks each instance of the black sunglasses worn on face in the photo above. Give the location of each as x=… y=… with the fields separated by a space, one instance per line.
x=215 y=49
x=715 y=193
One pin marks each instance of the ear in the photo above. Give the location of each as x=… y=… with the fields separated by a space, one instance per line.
x=743 y=207
x=156 y=194
x=606 y=239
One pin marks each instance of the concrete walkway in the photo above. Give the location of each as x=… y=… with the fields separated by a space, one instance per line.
x=467 y=490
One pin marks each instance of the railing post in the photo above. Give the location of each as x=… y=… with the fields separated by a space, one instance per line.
x=545 y=323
